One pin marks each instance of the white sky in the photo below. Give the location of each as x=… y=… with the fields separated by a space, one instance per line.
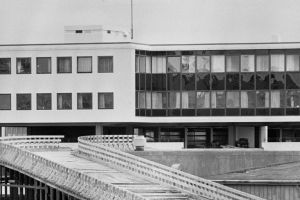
x=155 y=21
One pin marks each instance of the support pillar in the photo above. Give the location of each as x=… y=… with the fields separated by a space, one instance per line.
x=185 y=138
x=2 y=131
x=263 y=132
x=99 y=129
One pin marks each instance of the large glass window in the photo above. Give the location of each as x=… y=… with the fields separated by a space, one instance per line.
x=262 y=81
x=5 y=65
x=262 y=63
x=292 y=80
x=292 y=63
x=247 y=63
x=23 y=101
x=174 y=100
x=293 y=99
x=233 y=99
x=106 y=100
x=159 y=65
x=262 y=99
x=84 y=101
x=188 y=64
x=232 y=63
x=277 y=99
x=203 y=81
x=247 y=99
x=159 y=82
x=277 y=81
x=64 y=65
x=84 y=64
x=247 y=81
x=173 y=64
x=105 y=64
x=159 y=100
x=277 y=62
x=188 y=100
x=218 y=99
x=188 y=81
x=5 y=101
x=43 y=65
x=174 y=81
x=203 y=100
x=218 y=82
x=43 y=101
x=64 y=101
x=232 y=81
x=23 y=65
x=218 y=63
x=203 y=64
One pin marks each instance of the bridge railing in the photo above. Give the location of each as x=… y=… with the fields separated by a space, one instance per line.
x=33 y=141
x=121 y=142
x=80 y=185
x=91 y=147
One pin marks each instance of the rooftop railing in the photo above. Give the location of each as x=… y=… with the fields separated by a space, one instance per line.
x=96 y=148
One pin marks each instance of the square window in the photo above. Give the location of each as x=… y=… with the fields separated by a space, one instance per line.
x=203 y=100
x=293 y=99
x=43 y=65
x=173 y=100
x=106 y=100
x=23 y=101
x=64 y=65
x=159 y=100
x=248 y=99
x=218 y=99
x=141 y=100
x=262 y=99
x=188 y=100
x=5 y=101
x=277 y=99
x=233 y=100
x=5 y=65
x=23 y=65
x=64 y=101
x=84 y=64
x=84 y=101
x=159 y=65
x=105 y=64
x=43 y=101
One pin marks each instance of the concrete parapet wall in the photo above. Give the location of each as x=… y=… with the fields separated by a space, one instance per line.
x=205 y=163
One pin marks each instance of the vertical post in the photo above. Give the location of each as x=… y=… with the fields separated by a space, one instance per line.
x=2 y=131
x=185 y=138
x=131 y=18
x=99 y=129
x=263 y=130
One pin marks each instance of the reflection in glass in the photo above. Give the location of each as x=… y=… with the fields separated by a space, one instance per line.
x=173 y=100
x=148 y=100
x=277 y=81
x=173 y=64
x=203 y=100
x=293 y=99
x=293 y=80
x=188 y=64
x=203 y=64
x=247 y=63
x=247 y=99
x=262 y=81
x=262 y=63
x=188 y=100
x=158 y=82
x=159 y=65
x=218 y=63
x=159 y=100
x=277 y=99
x=233 y=100
x=203 y=81
x=232 y=81
x=142 y=64
x=218 y=99
x=232 y=63
x=188 y=81
x=247 y=81
x=292 y=63
x=173 y=81
x=142 y=100
x=218 y=81
x=277 y=62
x=262 y=99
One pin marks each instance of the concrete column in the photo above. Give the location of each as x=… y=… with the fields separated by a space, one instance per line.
x=232 y=136
x=2 y=131
x=99 y=129
x=263 y=132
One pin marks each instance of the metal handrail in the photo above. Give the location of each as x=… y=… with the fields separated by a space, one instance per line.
x=92 y=147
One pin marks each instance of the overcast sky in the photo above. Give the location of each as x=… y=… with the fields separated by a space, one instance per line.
x=155 y=21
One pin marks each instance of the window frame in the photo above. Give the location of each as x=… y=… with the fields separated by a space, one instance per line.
x=80 y=93
x=57 y=94
x=57 y=65
x=112 y=60
x=23 y=94
x=50 y=72
x=3 y=94
x=30 y=59
x=91 y=71
x=37 y=106
x=113 y=100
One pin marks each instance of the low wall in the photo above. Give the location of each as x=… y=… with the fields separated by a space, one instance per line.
x=205 y=163
x=281 y=146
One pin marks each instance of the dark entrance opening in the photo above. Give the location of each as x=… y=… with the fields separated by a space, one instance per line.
x=109 y=130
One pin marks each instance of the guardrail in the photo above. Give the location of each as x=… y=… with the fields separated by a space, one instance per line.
x=33 y=141
x=91 y=147
x=67 y=180
x=121 y=142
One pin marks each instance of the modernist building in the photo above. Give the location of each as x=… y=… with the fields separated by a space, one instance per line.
x=204 y=94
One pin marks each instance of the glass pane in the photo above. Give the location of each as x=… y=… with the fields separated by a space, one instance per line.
x=5 y=102
x=293 y=99
x=232 y=81
x=262 y=81
x=23 y=65
x=203 y=100
x=84 y=101
x=173 y=64
x=188 y=64
x=277 y=81
x=262 y=99
x=23 y=101
x=232 y=63
x=293 y=80
x=44 y=101
x=43 y=65
x=277 y=62
x=203 y=64
x=247 y=63
x=148 y=64
x=292 y=63
x=159 y=100
x=248 y=99
x=5 y=65
x=173 y=81
x=247 y=81
x=203 y=81
x=142 y=100
x=233 y=100
x=188 y=81
x=174 y=100
x=218 y=81
x=137 y=64
x=105 y=64
x=64 y=65
x=159 y=82
x=277 y=99
x=262 y=63
x=84 y=64
x=105 y=100
x=64 y=101
x=159 y=65
x=148 y=100
x=188 y=100
x=218 y=63
x=218 y=99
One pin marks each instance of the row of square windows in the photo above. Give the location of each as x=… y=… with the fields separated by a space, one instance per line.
x=64 y=101
x=217 y=63
x=64 y=65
